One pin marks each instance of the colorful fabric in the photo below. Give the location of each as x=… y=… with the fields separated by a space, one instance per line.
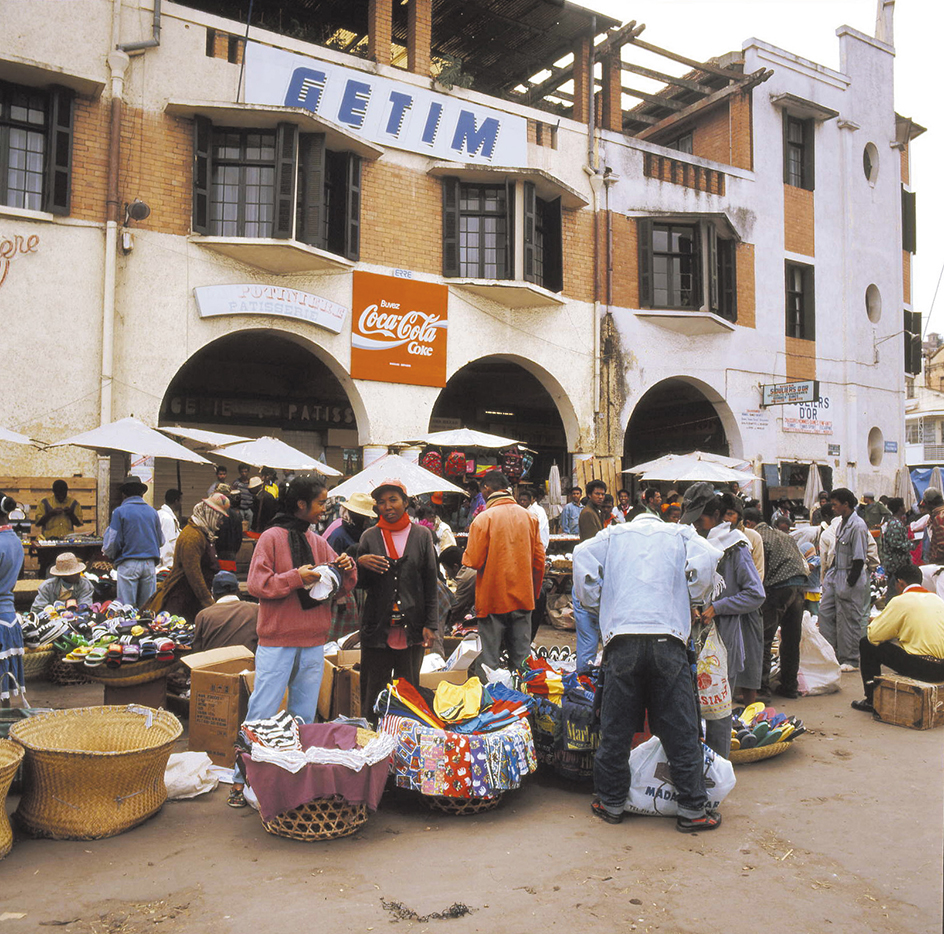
x=454 y=468
x=432 y=461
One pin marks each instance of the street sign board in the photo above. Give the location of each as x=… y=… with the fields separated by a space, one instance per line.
x=790 y=393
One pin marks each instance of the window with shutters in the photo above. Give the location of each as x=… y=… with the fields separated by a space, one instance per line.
x=800 y=302
x=278 y=184
x=35 y=148
x=687 y=267
x=912 y=333
x=798 y=152
x=479 y=240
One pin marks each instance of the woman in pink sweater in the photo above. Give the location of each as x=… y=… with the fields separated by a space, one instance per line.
x=292 y=625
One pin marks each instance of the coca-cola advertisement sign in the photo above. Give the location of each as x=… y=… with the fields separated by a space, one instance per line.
x=398 y=330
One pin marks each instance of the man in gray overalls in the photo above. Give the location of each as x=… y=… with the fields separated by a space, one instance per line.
x=845 y=587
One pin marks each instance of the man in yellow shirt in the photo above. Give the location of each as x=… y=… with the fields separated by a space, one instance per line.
x=907 y=636
x=57 y=518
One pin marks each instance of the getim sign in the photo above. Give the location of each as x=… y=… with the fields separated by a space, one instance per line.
x=386 y=112
x=398 y=330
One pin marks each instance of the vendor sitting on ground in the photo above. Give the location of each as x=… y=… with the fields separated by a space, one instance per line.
x=58 y=518
x=65 y=583
x=907 y=636
x=230 y=621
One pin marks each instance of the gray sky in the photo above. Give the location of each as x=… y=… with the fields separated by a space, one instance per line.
x=700 y=29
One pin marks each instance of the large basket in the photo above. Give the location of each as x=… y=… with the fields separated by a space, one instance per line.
x=323 y=819
x=743 y=756
x=11 y=755
x=37 y=662
x=93 y=772
x=126 y=676
x=462 y=806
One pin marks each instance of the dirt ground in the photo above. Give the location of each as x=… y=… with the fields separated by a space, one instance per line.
x=841 y=834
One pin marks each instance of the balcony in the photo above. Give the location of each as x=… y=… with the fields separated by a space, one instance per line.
x=699 y=177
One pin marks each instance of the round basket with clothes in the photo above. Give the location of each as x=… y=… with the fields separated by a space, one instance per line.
x=93 y=772
x=11 y=755
x=461 y=747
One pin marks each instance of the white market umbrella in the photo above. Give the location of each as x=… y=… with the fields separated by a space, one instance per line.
x=202 y=438
x=689 y=471
x=133 y=437
x=416 y=479
x=936 y=482
x=669 y=460
x=271 y=452
x=14 y=437
x=465 y=438
x=555 y=496
x=811 y=493
x=905 y=488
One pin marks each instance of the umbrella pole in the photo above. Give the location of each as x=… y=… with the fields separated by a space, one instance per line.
x=178 y=476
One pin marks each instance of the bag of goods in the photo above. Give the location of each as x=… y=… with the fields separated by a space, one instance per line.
x=432 y=461
x=512 y=465
x=454 y=468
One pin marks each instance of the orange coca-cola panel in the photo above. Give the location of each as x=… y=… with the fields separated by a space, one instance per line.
x=398 y=330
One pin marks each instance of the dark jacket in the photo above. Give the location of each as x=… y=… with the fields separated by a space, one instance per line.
x=229 y=536
x=591 y=521
x=415 y=580
x=186 y=590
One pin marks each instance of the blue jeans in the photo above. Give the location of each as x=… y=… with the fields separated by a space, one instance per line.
x=137 y=581
x=277 y=668
x=588 y=634
x=649 y=673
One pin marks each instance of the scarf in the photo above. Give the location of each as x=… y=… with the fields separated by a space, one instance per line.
x=207 y=520
x=300 y=549
x=387 y=528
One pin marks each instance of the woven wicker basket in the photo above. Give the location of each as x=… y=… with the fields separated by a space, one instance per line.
x=324 y=819
x=462 y=805
x=125 y=676
x=11 y=755
x=743 y=756
x=37 y=662
x=93 y=772
x=66 y=673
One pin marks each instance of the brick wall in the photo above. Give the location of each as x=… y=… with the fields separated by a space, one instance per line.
x=581 y=80
x=742 y=130
x=906 y=277
x=801 y=359
x=746 y=308
x=419 y=36
x=798 y=220
x=905 y=166
x=711 y=136
x=401 y=218
x=90 y=159
x=157 y=167
x=577 y=229
x=625 y=262
x=379 y=30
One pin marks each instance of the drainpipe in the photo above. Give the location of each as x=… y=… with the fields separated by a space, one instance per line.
x=155 y=39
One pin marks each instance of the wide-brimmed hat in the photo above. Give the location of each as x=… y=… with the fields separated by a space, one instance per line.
x=360 y=503
x=255 y=483
x=697 y=496
x=133 y=485
x=218 y=502
x=391 y=483
x=67 y=564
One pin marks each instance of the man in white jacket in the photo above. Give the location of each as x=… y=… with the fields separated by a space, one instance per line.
x=643 y=578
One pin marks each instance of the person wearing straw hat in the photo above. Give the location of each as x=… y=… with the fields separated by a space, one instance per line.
x=65 y=583
x=133 y=542
x=186 y=590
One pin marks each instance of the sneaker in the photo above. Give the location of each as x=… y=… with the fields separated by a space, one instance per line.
x=598 y=808
x=864 y=705
x=845 y=666
x=708 y=821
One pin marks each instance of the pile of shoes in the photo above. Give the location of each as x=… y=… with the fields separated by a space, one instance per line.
x=757 y=725
x=111 y=634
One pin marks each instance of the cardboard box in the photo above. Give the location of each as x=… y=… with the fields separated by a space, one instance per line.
x=340 y=694
x=458 y=675
x=906 y=702
x=219 y=697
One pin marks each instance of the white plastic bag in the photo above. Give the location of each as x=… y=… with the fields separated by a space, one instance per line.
x=819 y=668
x=711 y=676
x=651 y=790
x=189 y=774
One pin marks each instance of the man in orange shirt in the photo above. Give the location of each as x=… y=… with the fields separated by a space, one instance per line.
x=506 y=551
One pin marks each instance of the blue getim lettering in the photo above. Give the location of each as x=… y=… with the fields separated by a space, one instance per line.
x=305 y=89
x=400 y=104
x=433 y=119
x=354 y=103
x=473 y=138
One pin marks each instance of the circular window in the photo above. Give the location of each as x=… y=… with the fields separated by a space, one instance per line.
x=873 y=303
x=876 y=446
x=870 y=163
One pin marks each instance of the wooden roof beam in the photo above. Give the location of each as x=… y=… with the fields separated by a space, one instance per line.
x=668 y=79
x=662 y=101
x=758 y=77
x=700 y=66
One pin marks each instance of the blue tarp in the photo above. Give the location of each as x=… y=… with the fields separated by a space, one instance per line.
x=921 y=477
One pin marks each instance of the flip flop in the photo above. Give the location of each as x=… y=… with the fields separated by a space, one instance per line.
x=766 y=715
x=165 y=650
x=760 y=731
x=96 y=657
x=130 y=654
x=772 y=737
x=113 y=658
x=751 y=711
x=148 y=650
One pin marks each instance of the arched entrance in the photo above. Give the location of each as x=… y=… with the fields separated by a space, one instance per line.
x=254 y=383
x=504 y=397
x=677 y=416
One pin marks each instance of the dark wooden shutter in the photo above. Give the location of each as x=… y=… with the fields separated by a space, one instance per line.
x=727 y=259
x=450 y=223
x=553 y=245
x=644 y=243
x=509 y=229
x=913 y=342
x=712 y=269
x=202 y=173
x=311 y=189
x=809 y=155
x=58 y=195
x=785 y=122
x=909 y=230
x=352 y=207
x=529 y=209
x=284 y=208
x=809 y=304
